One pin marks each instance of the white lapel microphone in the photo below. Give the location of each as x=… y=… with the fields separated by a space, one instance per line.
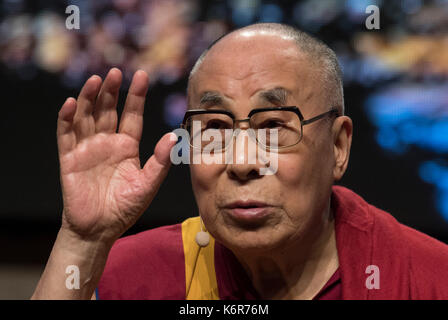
x=202 y=237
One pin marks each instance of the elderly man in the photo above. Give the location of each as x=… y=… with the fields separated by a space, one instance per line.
x=287 y=235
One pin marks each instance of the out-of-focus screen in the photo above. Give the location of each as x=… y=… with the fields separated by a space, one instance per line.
x=395 y=70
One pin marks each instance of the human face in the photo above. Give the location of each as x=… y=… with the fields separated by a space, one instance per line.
x=292 y=203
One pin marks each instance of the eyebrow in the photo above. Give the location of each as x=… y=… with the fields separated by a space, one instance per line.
x=277 y=96
x=211 y=98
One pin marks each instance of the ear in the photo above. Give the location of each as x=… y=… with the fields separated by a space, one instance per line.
x=342 y=140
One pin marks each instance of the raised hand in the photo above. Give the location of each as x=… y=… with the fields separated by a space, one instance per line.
x=104 y=187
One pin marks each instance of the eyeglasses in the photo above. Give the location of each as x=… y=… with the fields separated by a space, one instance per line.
x=218 y=126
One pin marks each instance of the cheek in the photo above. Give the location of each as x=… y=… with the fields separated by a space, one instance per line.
x=292 y=171
x=310 y=164
x=204 y=181
x=304 y=180
x=293 y=177
x=204 y=176
x=295 y=170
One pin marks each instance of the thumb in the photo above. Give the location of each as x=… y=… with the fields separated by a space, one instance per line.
x=157 y=166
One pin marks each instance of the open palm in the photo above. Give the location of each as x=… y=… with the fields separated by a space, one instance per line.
x=104 y=188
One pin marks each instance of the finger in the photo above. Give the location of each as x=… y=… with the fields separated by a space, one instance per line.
x=105 y=113
x=84 y=124
x=66 y=136
x=157 y=167
x=131 y=122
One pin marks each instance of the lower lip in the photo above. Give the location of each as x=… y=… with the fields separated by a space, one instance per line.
x=249 y=214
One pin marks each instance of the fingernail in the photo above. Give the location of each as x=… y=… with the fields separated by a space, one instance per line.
x=173 y=136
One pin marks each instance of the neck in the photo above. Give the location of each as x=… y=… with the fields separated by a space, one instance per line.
x=299 y=270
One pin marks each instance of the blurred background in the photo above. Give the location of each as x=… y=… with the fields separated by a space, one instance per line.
x=396 y=92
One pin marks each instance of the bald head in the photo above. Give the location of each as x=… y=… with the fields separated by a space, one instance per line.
x=322 y=58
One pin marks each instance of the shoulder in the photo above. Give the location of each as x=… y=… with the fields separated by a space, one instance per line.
x=382 y=222
x=147 y=265
x=424 y=258
x=428 y=260
x=424 y=251
x=166 y=240
x=404 y=250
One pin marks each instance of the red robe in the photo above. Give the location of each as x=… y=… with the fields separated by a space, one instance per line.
x=407 y=264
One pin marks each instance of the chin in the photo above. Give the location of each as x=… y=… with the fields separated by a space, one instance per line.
x=250 y=241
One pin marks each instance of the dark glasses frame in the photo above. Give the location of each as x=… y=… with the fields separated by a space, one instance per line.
x=303 y=121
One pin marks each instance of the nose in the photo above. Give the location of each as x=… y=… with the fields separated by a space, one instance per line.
x=243 y=164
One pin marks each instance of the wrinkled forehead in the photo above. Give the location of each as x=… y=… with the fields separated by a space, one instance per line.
x=245 y=64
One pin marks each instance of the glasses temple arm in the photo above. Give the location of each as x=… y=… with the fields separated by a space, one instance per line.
x=308 y=121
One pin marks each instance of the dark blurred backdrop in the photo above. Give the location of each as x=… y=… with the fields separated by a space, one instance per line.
x=396 y=92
